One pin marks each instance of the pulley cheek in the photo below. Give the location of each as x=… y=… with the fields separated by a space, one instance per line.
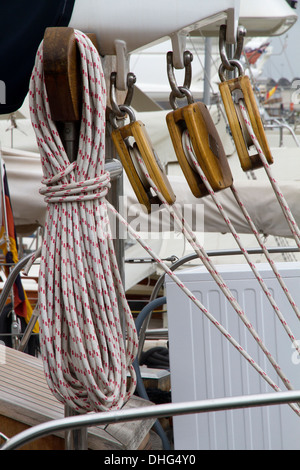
x=232 y=92
x=195 y=120
x=133 y=143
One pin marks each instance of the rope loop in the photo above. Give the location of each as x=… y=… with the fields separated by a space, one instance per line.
x=88 y=190
x=59 y=175
x=87 y=353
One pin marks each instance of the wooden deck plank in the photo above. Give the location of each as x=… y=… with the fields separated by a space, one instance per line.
x=24 y=387
x=26 y=398
x=11 y=427
x=33 y=407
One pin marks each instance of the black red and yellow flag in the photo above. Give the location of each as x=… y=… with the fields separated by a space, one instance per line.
x=22 y=306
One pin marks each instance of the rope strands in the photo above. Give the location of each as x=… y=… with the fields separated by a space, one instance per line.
x=189 y=149
x=265 y=251
x=203 y=256
x=86 y=355
x=205 y=311
x=280 y=197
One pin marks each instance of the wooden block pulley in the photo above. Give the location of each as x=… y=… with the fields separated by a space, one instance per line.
x=232 y=91
x=62 y=72
x=132 y=142
x=207 y=146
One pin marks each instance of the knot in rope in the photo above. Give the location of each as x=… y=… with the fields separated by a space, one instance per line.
x=88 y=190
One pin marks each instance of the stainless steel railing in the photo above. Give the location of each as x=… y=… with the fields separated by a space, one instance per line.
x=157 y=411
x=277 y=124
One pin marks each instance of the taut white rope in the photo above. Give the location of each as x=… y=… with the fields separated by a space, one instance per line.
x=191 y=237
x=189 y=149
x=86 y=355
x=280 y=197
x=204 y=310
x=203 y=256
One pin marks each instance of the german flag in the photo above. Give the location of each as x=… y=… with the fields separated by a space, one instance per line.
x=9 y=246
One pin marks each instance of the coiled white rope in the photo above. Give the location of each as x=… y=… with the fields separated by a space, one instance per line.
x=87 y=357
x=74 y=332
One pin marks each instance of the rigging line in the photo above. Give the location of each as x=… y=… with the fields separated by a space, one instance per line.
x=252 y=78
x=4 y=208
x=220 y=327
x=279 y=195
x=284 y=47
x=219 y=103
x=265 y=251
x=189 y=150
x=280 y=241
x=214 y=63
x=192 y=239
x=86 y=355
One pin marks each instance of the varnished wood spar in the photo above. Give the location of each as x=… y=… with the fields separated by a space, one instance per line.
x=242 y=139
x=207 y=145
x=137 y=131
x=25 y=401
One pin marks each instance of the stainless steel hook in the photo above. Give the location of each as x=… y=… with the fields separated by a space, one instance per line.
x=187 y=58
x=241 y=33
x=131 y=79
x=124 y=111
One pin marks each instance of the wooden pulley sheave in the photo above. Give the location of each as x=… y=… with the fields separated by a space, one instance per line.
x=133 y=143
x=195 y=119
x=63 y=81
x=233 y=92
x=63 y=73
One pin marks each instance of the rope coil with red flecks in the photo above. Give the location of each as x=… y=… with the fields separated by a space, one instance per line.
x=83 y=348
x=86 y=354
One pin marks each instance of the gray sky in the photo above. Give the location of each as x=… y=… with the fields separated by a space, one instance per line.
x=285 y=61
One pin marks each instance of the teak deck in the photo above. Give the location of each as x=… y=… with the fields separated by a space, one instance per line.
x=25 y=401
